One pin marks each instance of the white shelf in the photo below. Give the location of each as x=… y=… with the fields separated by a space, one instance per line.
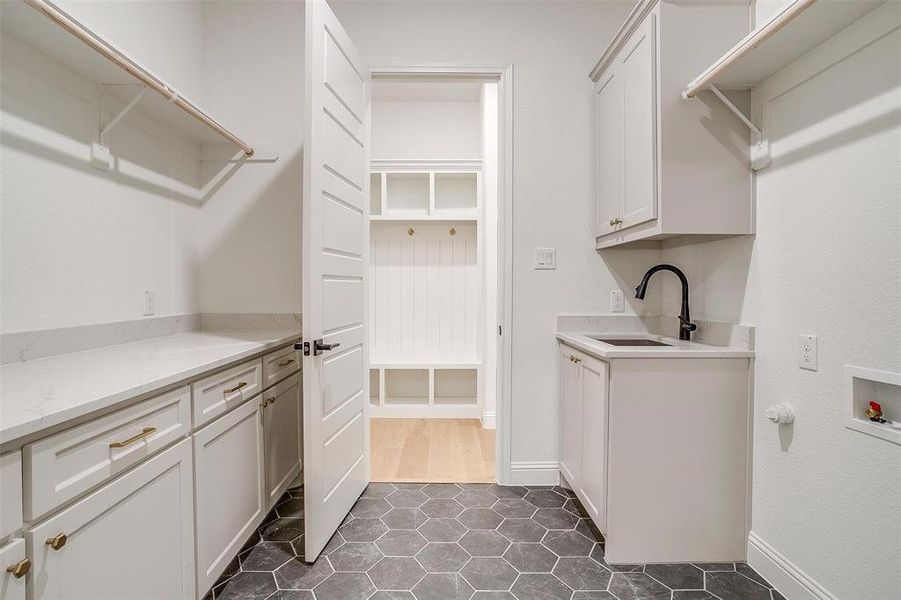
x=422 y=362
x=51 y=30
x=458 y=217
x=790 y=33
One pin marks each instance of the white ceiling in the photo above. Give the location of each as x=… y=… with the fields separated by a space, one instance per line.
x=426 y=91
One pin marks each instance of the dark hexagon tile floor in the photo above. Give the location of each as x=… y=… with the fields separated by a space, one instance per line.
x=463 y=542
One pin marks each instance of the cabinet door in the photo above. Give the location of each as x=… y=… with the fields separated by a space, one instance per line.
x=132 y=538
x=281 y=435
x=609 y=152
x=639 y=122
x=12 y=556
x=570 y=417
x=593 y=486
x=228 y=454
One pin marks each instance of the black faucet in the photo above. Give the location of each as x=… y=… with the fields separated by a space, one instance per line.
x=685 y=324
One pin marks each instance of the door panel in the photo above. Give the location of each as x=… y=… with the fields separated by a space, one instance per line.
x=609 y=109
x=335 y=261
x=571 y=417
x=593 y=487
x=639 y=125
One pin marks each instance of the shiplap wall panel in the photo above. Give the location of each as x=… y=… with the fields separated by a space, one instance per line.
x=424 y=291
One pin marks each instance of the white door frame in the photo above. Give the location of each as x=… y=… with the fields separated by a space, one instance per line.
x=504 y=77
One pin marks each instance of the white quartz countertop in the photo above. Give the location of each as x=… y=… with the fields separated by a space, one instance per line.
x=46 y=392
x=676 y=349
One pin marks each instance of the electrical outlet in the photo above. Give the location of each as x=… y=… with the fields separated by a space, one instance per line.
x=149 y=302
x=545 y=258
x=617 y=301
x=807 y=352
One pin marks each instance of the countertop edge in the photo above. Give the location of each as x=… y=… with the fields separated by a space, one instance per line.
x=575 y=340
x=10 y=435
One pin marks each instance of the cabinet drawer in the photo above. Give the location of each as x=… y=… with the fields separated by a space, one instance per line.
x=12 y=555
x=279 y=364
x=64 y=465
x=217 y=394
x=132 y=538
x=10 y=493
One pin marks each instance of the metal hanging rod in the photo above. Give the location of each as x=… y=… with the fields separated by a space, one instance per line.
x=126 y=64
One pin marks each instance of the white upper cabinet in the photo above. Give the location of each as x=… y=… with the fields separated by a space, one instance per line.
x=667 y=167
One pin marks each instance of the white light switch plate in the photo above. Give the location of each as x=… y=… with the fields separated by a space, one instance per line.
x=807 y=352
x=617 y=301
x=545 y=258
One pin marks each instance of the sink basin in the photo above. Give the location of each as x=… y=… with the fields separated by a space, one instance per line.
x=628 y=342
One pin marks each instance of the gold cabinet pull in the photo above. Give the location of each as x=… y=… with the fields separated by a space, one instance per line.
x=411 y=231
x=574 y=359
x=267 y=402
x=57 y=541
x=616 y=221
x=453 y=231
x=139 y=436
x=20 y=569
x=285 y=363
x=236 y=388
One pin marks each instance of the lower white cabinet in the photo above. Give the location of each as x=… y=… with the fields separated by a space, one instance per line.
x=583 y=455
x=132 y=538
x=281 y=435
x=570 y=417
x=228 y=455
x=14 y=569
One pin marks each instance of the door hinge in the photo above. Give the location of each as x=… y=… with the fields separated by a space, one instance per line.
x=500 y=330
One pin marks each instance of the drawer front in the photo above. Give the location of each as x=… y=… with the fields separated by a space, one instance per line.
x=217 y=394
x=12 y=556
x=132 y=538
x=279 y=364
x=10 y=493
x=64 y=465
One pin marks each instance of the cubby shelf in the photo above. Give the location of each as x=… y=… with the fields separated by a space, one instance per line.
x=424 y=191
x=416 y=390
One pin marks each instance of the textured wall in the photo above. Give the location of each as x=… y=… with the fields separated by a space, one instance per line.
x=826 y=261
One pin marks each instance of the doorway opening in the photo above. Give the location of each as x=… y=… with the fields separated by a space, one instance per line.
x=435 y=276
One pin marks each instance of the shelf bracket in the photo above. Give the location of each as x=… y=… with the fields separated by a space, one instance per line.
x=100 y=154
x=115 y=120
x=735 y=109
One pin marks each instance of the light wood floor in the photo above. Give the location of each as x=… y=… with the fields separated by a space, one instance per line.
x=431 y=450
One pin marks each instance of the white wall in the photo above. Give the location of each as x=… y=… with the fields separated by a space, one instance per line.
x=552 y=46
x=425 y=129
x=826 y=261
x=250 y=229
x=80 y=245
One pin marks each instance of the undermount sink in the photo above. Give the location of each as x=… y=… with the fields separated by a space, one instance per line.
x=627 y=341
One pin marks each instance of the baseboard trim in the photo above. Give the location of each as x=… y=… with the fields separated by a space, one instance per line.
x=489 y=420
x=535 y=472
x=784 y=575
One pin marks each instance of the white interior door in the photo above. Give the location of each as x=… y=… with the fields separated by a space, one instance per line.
x=335 y=263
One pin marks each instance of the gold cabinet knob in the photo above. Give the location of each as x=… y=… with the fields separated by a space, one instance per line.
x=57 y=541
x=616 y=221
x=20 y=569
x=411 y=231
x=453 y=231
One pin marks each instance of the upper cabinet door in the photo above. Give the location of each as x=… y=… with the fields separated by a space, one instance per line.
x=638 y=64
x=335 y=267
x=608 y=99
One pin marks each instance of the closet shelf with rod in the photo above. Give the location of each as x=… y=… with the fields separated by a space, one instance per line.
x=790 y=33
x=57 y=33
